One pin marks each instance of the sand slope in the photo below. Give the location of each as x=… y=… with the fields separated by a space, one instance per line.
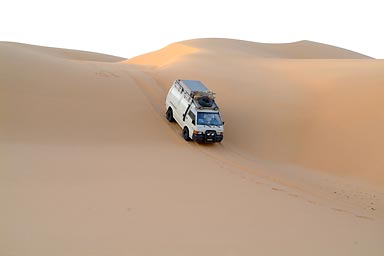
x=90 y=166
x=319 y=113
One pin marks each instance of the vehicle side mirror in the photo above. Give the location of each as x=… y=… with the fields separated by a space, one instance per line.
x=193 y=122
x=223 y=122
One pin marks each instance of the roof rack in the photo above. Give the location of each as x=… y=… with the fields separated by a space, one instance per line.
x=196 y=89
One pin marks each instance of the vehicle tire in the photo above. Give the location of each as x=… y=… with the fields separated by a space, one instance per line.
x=169 y=115
x=186 y=134
x=205 y=102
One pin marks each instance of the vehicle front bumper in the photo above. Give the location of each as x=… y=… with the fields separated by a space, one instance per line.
x=203 y=138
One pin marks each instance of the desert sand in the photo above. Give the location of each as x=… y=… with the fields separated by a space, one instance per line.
x=90 y=166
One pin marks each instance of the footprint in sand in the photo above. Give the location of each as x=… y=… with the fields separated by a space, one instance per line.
x=278 y=189
x=338 y=210
x=363 y=217
x=106 y=74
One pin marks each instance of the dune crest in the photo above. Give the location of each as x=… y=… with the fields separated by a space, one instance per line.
x=297 y=50
x=69 y=54
x=163 y=57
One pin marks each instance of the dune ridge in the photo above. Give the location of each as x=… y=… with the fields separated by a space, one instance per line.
x=167 y=55
x=304 y=49
x=90 y=166
x=18 y=48
x=230 y=47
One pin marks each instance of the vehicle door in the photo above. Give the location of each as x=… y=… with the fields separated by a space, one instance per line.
x=190 y=121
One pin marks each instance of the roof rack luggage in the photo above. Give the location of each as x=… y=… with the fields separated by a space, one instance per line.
x=196 y=89
x=200 y=95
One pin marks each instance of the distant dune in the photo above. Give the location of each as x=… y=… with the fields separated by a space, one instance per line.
x=246 y=49
x=90 y=166
x=296 y=50
x=25 y=49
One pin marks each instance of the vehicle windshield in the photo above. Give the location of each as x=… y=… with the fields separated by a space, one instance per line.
x=207 y=118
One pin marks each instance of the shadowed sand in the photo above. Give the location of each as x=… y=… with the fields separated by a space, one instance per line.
x=90 y=166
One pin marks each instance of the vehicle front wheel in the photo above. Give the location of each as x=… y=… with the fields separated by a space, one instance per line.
x=186 y=134
x=169 y=115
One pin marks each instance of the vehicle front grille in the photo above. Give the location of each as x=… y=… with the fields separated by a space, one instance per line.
x=210 y=133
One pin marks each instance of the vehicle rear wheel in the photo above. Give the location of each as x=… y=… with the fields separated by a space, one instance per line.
x=186 y=134
x=169 y=115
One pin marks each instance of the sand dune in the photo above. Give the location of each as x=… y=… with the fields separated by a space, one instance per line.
x=90 y=166
x=321 y=114
x=296 y=50
x=246 y=50
x=15 y=49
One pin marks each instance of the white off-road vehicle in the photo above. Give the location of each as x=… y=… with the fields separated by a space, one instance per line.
x=193 y=107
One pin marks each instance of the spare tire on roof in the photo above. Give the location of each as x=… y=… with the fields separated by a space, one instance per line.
x=205 y=102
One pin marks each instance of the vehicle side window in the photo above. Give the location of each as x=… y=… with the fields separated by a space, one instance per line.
x=179 y=88
x=191 y=115
x=176 y=86
x=174 y=90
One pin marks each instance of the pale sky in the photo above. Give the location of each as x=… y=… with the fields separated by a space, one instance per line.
x=129 y=28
